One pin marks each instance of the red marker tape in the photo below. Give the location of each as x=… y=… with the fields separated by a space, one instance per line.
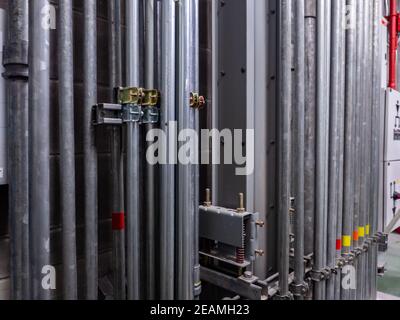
x=338 y=244
x=118 y=221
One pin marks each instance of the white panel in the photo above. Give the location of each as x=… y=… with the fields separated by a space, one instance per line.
x=392 y=185
x=392 y=126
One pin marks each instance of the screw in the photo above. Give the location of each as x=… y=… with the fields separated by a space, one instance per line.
x=248 y=275
x=241 y=208
x=208 y=203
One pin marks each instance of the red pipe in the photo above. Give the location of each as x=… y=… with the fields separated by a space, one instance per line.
x=393 y=40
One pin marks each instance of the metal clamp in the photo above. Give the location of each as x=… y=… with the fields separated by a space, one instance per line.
x=288 y=297
x=357 y=252
x=348 y=258
x=132 y=113
x=138 y=96
x=320 y=275
x=151 y=115
x=196 y=101
x=299 y=290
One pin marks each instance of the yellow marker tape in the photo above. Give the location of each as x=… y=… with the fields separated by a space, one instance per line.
x=346 y=241
x=361 y=232
x=367 y=230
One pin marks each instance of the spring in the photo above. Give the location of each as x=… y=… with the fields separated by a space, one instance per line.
x=240 y=255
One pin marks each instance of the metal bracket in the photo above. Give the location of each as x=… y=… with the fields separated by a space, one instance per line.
x=107 y=113
x=134 y=105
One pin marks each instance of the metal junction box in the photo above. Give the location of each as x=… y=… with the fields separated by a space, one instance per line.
x=3 y=107
x=392 y=192
x=392 y=125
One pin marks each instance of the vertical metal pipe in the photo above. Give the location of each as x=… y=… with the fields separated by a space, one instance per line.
x=341 y=105
x=359 y=145
x=67 y=149
x=90 y=152
x=186 y=185
x=194 y=76
x=348 y=191
x=133 y=161
x=367 y=134
x=118 y=215
x=39 y=170
x=335 y=140
x=321 y=145
x=15 y=61
x=372 y=227
x=299 y=144
x=310 y=86
x=167 y=192
x=150 y=169
x=284 y=157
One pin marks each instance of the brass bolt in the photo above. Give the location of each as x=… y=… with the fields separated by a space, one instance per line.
x=241 y=208
x=208 y=203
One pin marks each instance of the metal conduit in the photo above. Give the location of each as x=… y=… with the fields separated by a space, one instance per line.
x=186 y=188
x=194 y=77
x=321 y=145
x=90 y=152
x=117 y=184
x=336 y=134
x=150 y=169
x=15 y=61
x=359 y=139
x=133 y=162
x=39 y=164
x=284 y=146
x=167 y=183
x=299 y=144
x=67 y=149
x=341 y=117
x=310 y=90
x=348 y=189
x=377 y=130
